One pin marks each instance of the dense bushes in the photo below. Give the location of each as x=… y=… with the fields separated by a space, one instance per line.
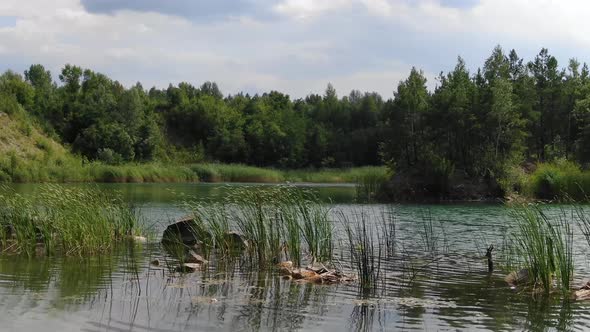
x=559 y=180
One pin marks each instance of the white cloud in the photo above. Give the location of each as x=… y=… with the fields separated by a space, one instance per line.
x=540 y=20
x=361 y=44
x=302 y=9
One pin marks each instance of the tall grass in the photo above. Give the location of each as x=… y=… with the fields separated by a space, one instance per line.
x=546 y=247
x=276 y=221
x=370 y=184
x=387 y=231
x=333 y=175
x=365 y=256
x=292 y=233
x=430 y=237
x=211 y=225
x=70 y=221
x=56 y=165
x=583 y=219
x=315 y=226
x=236 y=173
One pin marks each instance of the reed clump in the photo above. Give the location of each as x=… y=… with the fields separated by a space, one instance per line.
x=365 y=251
x=370 y=184
x=57 y=219
x=278 y=222
x=545 y=247
x=334 y=175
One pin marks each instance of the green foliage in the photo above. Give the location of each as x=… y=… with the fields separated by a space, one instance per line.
x=365 y=251
x=333 y=175
x=559 y=180
x=8 y=104
x=545 y=246
x=481 y=124
x=370 y=185
x=63 y=220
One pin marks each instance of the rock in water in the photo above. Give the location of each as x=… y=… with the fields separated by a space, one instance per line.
x=318 y=268
x=236 y=240
x=182 y=231
x=517 y=278
x=299 y=274
x=583 y=294
x=285 y=268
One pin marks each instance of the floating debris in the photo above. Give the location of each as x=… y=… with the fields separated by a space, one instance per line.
x=193 y=257
x=188 y=267
x=317 y=273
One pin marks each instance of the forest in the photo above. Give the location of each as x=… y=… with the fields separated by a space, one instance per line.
x=508 y=113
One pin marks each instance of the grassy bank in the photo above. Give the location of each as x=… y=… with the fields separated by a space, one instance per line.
x=27 y=154
x=70 y=169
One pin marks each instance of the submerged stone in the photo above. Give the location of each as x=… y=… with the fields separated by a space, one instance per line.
x=236 y=240
x=183 y=231
x=517 y=278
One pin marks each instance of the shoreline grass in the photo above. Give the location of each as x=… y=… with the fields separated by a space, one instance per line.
x=545 y=248
x=14 y=169
x=70 y=221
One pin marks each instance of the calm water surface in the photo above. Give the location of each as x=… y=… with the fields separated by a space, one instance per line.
x=448 y=289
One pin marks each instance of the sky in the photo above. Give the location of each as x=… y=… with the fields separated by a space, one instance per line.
x=293 y=46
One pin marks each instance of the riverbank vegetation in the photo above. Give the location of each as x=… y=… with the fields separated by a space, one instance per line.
x=545 y=248
x=67 y=221
x=473 y=136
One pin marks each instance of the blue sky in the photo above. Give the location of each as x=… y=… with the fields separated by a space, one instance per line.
x=294 y=46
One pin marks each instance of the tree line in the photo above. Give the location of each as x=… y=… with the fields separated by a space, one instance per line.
x=509 y=111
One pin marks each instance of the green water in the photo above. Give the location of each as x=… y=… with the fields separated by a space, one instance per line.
x=449 y=289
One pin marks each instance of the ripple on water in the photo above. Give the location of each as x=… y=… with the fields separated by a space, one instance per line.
x=447 y=288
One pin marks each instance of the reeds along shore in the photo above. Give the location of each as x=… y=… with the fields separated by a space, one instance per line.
x=62 y=168
x=59 y=220
x=283 y=223
x=545 y=248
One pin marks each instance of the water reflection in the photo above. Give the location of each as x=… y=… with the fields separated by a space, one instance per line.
x=123 y=292
x=443 y=289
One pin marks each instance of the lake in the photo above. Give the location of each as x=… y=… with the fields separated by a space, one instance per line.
x=436 y=279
